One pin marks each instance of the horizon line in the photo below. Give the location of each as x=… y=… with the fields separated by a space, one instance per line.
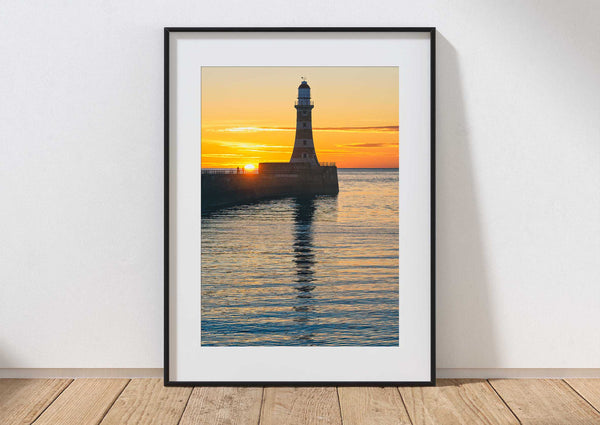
x=341 y=168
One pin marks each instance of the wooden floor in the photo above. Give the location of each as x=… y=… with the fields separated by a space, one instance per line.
x=146 y=401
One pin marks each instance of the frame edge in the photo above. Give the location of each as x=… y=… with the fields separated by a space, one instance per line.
x=166 y=345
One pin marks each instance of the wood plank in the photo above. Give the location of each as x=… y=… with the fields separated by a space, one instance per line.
x=372 y=406
x=148 y=402
x=545 y=401
x=588 y=388
x=22 y=400
x=300 y=406
x=223 y=405
x=84 y=402
x=456 y=401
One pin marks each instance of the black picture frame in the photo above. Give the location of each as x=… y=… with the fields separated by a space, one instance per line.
x=432 y=33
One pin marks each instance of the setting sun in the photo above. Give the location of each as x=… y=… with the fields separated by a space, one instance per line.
x=249 y=167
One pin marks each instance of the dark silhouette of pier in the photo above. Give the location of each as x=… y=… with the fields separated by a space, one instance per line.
x=273 y=180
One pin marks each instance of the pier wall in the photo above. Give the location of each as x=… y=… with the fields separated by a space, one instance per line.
x=220 y=190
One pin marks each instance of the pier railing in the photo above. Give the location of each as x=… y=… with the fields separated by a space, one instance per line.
x=241 y=170
x=274 y=167
x=220 y=171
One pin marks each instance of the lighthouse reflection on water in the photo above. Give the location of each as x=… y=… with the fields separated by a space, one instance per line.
x=304 y=258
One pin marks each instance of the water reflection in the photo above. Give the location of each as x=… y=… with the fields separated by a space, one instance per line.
x=298 y=272
x=304 y=260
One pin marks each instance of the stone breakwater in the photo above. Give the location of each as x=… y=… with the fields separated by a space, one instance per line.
x=274 y=180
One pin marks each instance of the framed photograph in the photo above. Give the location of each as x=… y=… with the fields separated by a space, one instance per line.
x=299 y=206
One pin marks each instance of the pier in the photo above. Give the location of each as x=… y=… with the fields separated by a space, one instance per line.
x=273 y=180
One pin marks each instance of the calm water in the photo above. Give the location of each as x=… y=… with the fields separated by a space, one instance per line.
x=320 y=271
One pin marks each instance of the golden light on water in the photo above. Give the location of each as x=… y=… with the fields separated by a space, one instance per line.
x=305 y=272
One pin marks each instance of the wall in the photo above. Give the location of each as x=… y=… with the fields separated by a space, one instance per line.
x=518 y=176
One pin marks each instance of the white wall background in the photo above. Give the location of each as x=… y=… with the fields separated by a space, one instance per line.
x=518 y=175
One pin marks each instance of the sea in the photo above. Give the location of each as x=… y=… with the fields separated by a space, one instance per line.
x=319 y=271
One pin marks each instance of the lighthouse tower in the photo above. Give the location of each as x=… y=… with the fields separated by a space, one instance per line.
x=304 y=148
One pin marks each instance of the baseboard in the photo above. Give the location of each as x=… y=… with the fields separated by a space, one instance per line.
x=481 y=373
x=476 y=373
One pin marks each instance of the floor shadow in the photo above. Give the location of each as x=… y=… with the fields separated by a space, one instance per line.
x=441 y=383
x=465 y=322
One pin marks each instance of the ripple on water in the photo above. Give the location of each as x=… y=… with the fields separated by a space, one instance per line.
x=294 y=272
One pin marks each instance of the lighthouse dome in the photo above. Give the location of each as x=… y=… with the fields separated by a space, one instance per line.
x=304 y=85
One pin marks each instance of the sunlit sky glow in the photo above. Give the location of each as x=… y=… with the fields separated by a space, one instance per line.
x=248 y=115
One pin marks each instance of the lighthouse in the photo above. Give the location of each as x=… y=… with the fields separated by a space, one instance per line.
x=302 y=176
x=304 y=147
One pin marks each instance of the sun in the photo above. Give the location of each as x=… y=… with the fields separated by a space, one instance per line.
x=249 y=167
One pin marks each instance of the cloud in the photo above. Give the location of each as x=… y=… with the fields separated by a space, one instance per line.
x=346 y=129
x=249 y=146
x=253 y=129
x=368 y=129
x=219 y=155
x=369 y=145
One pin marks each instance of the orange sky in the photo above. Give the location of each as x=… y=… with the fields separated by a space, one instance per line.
x=248 y=115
